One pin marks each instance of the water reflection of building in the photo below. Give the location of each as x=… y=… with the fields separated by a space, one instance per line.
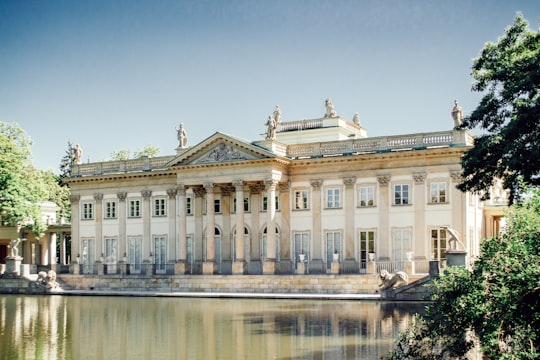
x=314 y=187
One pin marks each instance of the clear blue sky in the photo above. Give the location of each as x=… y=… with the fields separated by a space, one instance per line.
x=111 y=74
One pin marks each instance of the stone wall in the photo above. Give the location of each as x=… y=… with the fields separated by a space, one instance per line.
x=294 y=284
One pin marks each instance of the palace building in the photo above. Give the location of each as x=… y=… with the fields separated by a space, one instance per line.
x=313 y=192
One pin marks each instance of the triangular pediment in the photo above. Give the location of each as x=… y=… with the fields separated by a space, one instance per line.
x=220 y=148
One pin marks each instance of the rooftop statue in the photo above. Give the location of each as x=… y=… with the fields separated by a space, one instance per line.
x=78 y=154
x=330 y=112
x=182 y=137
x=457 y=114
x=271 y=125
x=277 y=114
x=356 y=119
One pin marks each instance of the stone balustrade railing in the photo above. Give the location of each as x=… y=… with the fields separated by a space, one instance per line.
x=121 y=166
x=332 y=148
x=382 y=144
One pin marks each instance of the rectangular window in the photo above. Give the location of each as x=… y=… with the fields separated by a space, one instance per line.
x=367 y=196
x=160 y=207
x=333 y=198
x=438 y=244
x=160 y=254
x=217 y=206
x=110 y=210
x=438 y=192
x=301 y=200
x=134 y=208
x=333 y=245
x=401 y=194
x=402 y=243
x=301 y=246
x=135 y=254
x=246 y=204
x=265 y=203
x=367 y=244
x=87 y=211
x=189 y=206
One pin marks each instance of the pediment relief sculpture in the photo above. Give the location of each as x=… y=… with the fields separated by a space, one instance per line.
x=223 y=153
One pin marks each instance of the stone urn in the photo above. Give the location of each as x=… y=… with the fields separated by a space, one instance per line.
x=371 y=256
x=335 y=257
x=302 y=257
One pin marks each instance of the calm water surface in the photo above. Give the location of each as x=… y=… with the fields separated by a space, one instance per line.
x=66 y=327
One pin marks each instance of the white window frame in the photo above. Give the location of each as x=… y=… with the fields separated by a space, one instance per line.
x=160 y=244
x=159 y=208
x=333 y=197
x=189 y=205
x=367 y=241
x=333 y=237
x=401 y=242
x=110 y=209
x=134 y=212
x=402 y=188
x=264 y=203
x=366 y=196
x=435 y=196
x=438 y=241
x=301 y=199
x=246 y=204
x=87 y=210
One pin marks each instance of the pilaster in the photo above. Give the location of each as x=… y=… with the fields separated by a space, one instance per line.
x=122 y=238
x=420 y=246
x=317 y=245
x=75 y=225
x=146 y=215
x=173 y=235
x=383 y=246
x=349 y=201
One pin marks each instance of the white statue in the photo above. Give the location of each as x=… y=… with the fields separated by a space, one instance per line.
x=330 y=112
x=14 y=249
x=271 y=125
x=392 y=281
x=277 y=114
x=457 y=114
x=78 y=154
x=356 y=119
x=453 y=241
x=182 y=137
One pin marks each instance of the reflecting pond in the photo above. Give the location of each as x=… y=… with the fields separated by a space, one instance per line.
x=84 y=327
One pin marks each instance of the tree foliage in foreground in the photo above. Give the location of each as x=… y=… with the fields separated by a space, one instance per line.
x=22 y=187
x=497 y=302
x=508 y=73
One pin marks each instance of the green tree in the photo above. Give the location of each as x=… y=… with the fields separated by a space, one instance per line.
x=125 y=154
x=21 y=190
x=508 y=73
x=67 y=161
x=498 y=301
x=122 y=154
x=148 y=150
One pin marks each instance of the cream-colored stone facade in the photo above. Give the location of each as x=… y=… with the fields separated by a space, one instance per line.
x=317 y=189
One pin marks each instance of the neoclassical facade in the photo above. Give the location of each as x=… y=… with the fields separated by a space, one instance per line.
x=318 y=189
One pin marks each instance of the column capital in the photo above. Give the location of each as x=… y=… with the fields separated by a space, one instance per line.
x=238 y=185
x=455 y=175
x=316 y=183
x=121 y=195
x=383 y=180
x=349 y=181
x=146 y=194
x=98 y=196
x=181 y=190
x=284 y=187
x=255 y=188
x=419 y=177
x=172 y=193
x=198 y=191
x=270 y=184
x=226 y=190
x=209 y=187
x=75 y=198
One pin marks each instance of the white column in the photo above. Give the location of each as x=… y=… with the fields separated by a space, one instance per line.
x=239 y=264
x=122 y=240
x=75 y=223
x=382 y=248
x=210 y=263
x=147 y=215
x=98 y=221
x=182 y=224
x=349 y=200
x=269 y=266
x=171 y=214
